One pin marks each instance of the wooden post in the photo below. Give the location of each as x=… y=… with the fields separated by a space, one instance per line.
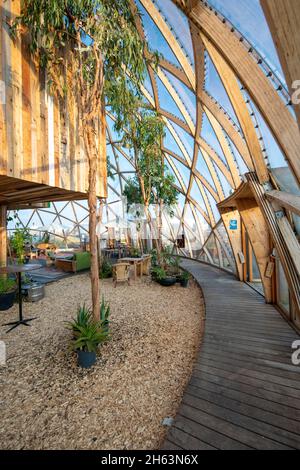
x=3 y=236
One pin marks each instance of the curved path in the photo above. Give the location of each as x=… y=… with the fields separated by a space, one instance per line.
x=244 y=392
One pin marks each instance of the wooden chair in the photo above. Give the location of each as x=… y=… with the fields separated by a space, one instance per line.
x=121 y=273
x=146 y=264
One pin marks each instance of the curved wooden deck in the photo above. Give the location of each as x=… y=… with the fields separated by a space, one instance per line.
x=244 y=392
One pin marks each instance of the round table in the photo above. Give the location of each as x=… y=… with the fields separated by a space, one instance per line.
x=19 y=269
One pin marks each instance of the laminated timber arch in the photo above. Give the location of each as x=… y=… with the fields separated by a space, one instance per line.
x=232 y=51
x=284 y=20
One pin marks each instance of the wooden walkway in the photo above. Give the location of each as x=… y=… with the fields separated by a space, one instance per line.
x=244 y=392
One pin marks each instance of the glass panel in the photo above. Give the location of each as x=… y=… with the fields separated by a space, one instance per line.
x=154 y=37
x=187 y=96
x=166 y=101
x=248 y=17
x=179 y=25
x=203 y=169
x=273 y=152
x=210 y=137
x=214 y=86
x=211 y=246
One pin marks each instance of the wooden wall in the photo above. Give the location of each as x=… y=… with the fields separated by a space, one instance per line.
x=39 y=140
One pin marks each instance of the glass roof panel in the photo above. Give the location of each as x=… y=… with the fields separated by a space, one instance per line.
x=201 y=166
x=214 y=86
x=248 y=17
x=187 y=96
x=154 y=36
x=166 y=101
x=179 y=24
x=211 y=138
x=273 y=152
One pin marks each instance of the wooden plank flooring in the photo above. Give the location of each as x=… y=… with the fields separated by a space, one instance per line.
x=244 y=392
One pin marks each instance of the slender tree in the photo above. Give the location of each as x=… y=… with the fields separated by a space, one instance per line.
x=144 y=130
x=85 y=46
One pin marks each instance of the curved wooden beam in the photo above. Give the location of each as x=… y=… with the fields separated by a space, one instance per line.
x=270 y=105
x=232 y=88
x=165 y=30
x=283 y=18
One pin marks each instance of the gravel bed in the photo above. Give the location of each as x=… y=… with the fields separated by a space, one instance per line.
x=47 y=402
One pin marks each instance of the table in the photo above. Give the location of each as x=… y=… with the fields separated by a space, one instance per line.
x=19 y=269
x=136 y=262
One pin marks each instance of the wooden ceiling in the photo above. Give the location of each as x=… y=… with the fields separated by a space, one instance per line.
x=15 y=193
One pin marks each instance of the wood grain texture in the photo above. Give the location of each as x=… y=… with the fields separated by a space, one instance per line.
x=39 y=134
x=244 y=392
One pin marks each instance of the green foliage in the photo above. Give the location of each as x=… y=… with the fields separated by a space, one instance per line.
x=7 y=285
x=105 y=269
x=18 y=240
x=104 y=314
x=132 y=191
x=83 y=318
x=135 y=252
x=158 y=273
x=85 y=27
x=89 y=336
x=144 y=132
x=166 y=256
x=185 y=276
x=154 y=258
x=88 y=333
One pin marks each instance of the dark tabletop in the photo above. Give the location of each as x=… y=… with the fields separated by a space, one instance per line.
x=19 y=268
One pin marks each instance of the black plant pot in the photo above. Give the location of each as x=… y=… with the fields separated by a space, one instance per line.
x=86 y=359
x=184 y=282
x=167 y=281
x=7 y=300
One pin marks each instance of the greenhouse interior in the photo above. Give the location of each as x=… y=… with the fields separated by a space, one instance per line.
x=150 y=225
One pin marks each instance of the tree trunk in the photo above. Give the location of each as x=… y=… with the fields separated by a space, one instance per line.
x=92 y=203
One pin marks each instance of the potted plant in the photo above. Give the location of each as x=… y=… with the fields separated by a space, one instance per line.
x=162 y=277
x=184 y=278
x=86 y=342
x=83 y=318
x=7 y=292
x=20 y=238
x=105 y=269
x=88 y=333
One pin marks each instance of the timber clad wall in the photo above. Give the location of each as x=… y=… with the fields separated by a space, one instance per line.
x=39 y=140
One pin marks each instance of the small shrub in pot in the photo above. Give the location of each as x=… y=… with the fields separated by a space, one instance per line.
x=8 y=289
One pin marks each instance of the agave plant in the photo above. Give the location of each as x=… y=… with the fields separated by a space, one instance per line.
x=83 y=318
x=104 y=314
x=89 y=336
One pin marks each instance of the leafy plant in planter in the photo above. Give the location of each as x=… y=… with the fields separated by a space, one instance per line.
x=162 y=277
x=20 y=237
x=88 y=333
x=83 y=318
x=86 y=342
x=154 y=259
x=8 y=289
x=184 y=278
x=105 y=269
